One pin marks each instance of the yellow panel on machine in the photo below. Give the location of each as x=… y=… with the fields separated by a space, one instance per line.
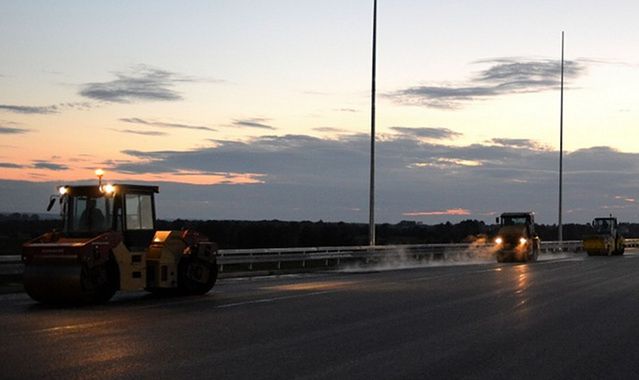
x=163 y=257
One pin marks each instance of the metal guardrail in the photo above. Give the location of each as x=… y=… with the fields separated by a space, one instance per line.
x=632 y=243
x=247 y=259
x=250 y=257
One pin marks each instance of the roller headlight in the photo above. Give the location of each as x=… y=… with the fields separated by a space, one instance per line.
x=522 y=241
x=499 y=240
x=108 y=189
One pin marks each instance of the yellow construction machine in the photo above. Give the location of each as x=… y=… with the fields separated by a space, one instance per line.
x=605 y=239
x=109 y=242
x=516 y=239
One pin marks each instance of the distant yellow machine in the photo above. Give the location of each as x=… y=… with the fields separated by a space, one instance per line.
x=606 y=239
x=516 y=239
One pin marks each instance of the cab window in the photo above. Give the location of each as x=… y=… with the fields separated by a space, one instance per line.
x=88 y=214
x=139 y=212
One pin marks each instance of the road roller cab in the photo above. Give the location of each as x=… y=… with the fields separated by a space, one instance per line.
x=516 y=239
x=109 y=242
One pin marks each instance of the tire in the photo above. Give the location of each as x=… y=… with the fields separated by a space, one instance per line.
x=196 y=276
x=534 y=256
x=104 y=279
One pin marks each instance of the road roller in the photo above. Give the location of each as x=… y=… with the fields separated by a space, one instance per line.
x=606 y=239
x=109 y=242
x=516 y=239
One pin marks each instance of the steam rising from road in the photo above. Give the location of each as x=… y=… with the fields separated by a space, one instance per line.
x=479 y=251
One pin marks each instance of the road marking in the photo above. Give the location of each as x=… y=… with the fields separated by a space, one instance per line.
x=273 y=299
x=63 y=329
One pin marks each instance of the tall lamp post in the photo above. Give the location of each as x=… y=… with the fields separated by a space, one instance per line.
x=561 y=142
x=371 y=205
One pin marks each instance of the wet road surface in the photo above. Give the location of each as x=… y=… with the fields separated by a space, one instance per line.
x=572 y=317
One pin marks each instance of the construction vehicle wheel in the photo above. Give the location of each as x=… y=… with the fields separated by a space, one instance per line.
x=533 y=256
x=619 y=252
x=196 y=276
x=71 y=284
x=113 y=284
x=102 y=281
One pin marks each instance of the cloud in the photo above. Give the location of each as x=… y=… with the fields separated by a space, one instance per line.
x=505 y=76
x=140 y=83
x=301 y=177
x=429 y=133
x=159 y=124
x=11 y=128
x=39 y=164
x=79 y=106
x=454 y=211
x=306 y=177
x=43 y=110
x=445 y=163
x=330 y=130
x=289 y=156
x=253 y=123
x=143 y=133
x=352 y=110
x=10 y=165
x=29 y=109
x=520 y=143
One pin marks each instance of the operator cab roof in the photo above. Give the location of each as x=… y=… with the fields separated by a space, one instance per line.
x=517 y=213
x=94 y=190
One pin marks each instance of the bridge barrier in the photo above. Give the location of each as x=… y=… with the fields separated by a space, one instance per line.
x=243 y=260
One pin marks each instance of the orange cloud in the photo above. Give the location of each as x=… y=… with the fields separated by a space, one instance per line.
x=452 y=211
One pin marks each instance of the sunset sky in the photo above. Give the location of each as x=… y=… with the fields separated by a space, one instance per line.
x=260 y=109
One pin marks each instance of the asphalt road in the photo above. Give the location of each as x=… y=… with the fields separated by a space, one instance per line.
x=576 y=317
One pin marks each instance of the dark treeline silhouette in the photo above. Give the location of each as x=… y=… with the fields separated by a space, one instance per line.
x=19 y=216
x=14 y=232
x=232 y=234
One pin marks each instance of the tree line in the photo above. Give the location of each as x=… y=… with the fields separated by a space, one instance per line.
x=237 y=234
